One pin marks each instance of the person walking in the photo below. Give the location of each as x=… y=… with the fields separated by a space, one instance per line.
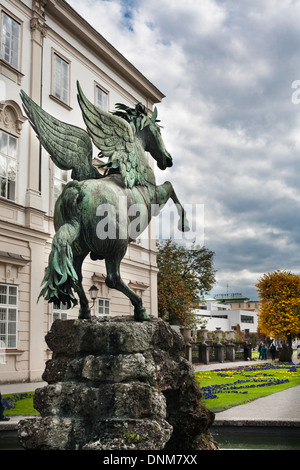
x=273 y=351
x=259 y=350
x=263 y=352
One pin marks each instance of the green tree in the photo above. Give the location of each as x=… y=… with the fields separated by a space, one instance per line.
x=185 y=275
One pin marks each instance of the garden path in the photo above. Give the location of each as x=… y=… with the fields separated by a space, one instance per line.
x=281 y=408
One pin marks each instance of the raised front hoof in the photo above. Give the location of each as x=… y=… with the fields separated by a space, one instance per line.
x=84 y=314
x=140 y=314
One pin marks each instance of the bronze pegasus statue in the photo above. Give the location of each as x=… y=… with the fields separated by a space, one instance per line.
x=96 y=212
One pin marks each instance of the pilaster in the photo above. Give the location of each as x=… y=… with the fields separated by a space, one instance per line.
x=38 y=33
x=37 y=345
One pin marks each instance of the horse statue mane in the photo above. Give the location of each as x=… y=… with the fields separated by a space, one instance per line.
x=137 y=117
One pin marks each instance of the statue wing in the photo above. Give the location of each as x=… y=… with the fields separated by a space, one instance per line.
x=69 y=146
x=114 y=137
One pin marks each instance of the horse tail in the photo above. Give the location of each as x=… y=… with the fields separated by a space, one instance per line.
x=61 y=280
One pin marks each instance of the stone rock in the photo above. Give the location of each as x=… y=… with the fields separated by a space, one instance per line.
x=117 y=384
x=49 y=433
x=146 y=434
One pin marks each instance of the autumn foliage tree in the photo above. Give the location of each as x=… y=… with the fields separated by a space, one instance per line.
x=185 y=275
x=279 y=312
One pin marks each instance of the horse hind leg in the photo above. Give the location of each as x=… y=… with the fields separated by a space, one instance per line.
x=84 y=311
x=114 y=281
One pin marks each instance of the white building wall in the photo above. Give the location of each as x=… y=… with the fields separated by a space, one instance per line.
x=26 y=224
x=234 y=317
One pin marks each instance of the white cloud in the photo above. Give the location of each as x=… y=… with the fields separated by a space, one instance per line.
x=227 y=70
x=186 y=18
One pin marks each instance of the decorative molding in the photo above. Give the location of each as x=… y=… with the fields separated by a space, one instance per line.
x=16 y=353
x=138 y=285
x=10 y=72
x=13 y=258
x=38 y=6
x=57 y=100
x=11 y=117
x=13 y=266
x=38 y=25
x=98 y=277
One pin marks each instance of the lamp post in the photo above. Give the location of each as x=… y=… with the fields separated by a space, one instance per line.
x=93 y=291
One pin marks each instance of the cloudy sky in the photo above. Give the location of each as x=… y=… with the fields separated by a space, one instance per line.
x=230 y=71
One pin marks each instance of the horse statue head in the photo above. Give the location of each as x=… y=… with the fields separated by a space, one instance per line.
x=147 y=129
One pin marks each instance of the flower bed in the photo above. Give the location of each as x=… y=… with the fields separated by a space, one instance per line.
x=224 y=388
x=18 y=403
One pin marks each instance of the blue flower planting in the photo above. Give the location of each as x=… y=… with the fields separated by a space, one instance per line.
x=9 y=403
x=241 y=386
x=211 y=390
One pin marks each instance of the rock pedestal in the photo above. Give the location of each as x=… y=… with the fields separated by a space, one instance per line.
x=117 y=384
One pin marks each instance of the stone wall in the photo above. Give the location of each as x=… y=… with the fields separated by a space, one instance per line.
x=117 y=384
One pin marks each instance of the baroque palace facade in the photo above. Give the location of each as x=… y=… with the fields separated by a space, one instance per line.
x=45 y=48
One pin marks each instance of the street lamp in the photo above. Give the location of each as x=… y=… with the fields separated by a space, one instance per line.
x=93 y=291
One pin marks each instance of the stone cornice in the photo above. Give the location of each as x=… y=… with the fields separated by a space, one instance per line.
x=70 y=20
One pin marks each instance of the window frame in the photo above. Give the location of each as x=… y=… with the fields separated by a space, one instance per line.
x=6 y=69
x=56 y=179
x=59 y=312
x=19 y=51
x=9 y=158
x=247 y=319
x=104 y=300
x=9 y=306
x=99 y=87
x=53 y=96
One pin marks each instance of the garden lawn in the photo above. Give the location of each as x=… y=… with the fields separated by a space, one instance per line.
x=19 y=404
x=221 y=389
x=225 y=388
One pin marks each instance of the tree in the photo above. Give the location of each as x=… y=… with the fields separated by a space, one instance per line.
x=185 y=275
x=279 y=312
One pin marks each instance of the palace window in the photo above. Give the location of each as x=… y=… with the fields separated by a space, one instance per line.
x=8 y=165
x=103 y=307
x=60 y=179
x=8 y=315
x=101 y=98
x=61 y=76
x=59 y=311
x=10 y=40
